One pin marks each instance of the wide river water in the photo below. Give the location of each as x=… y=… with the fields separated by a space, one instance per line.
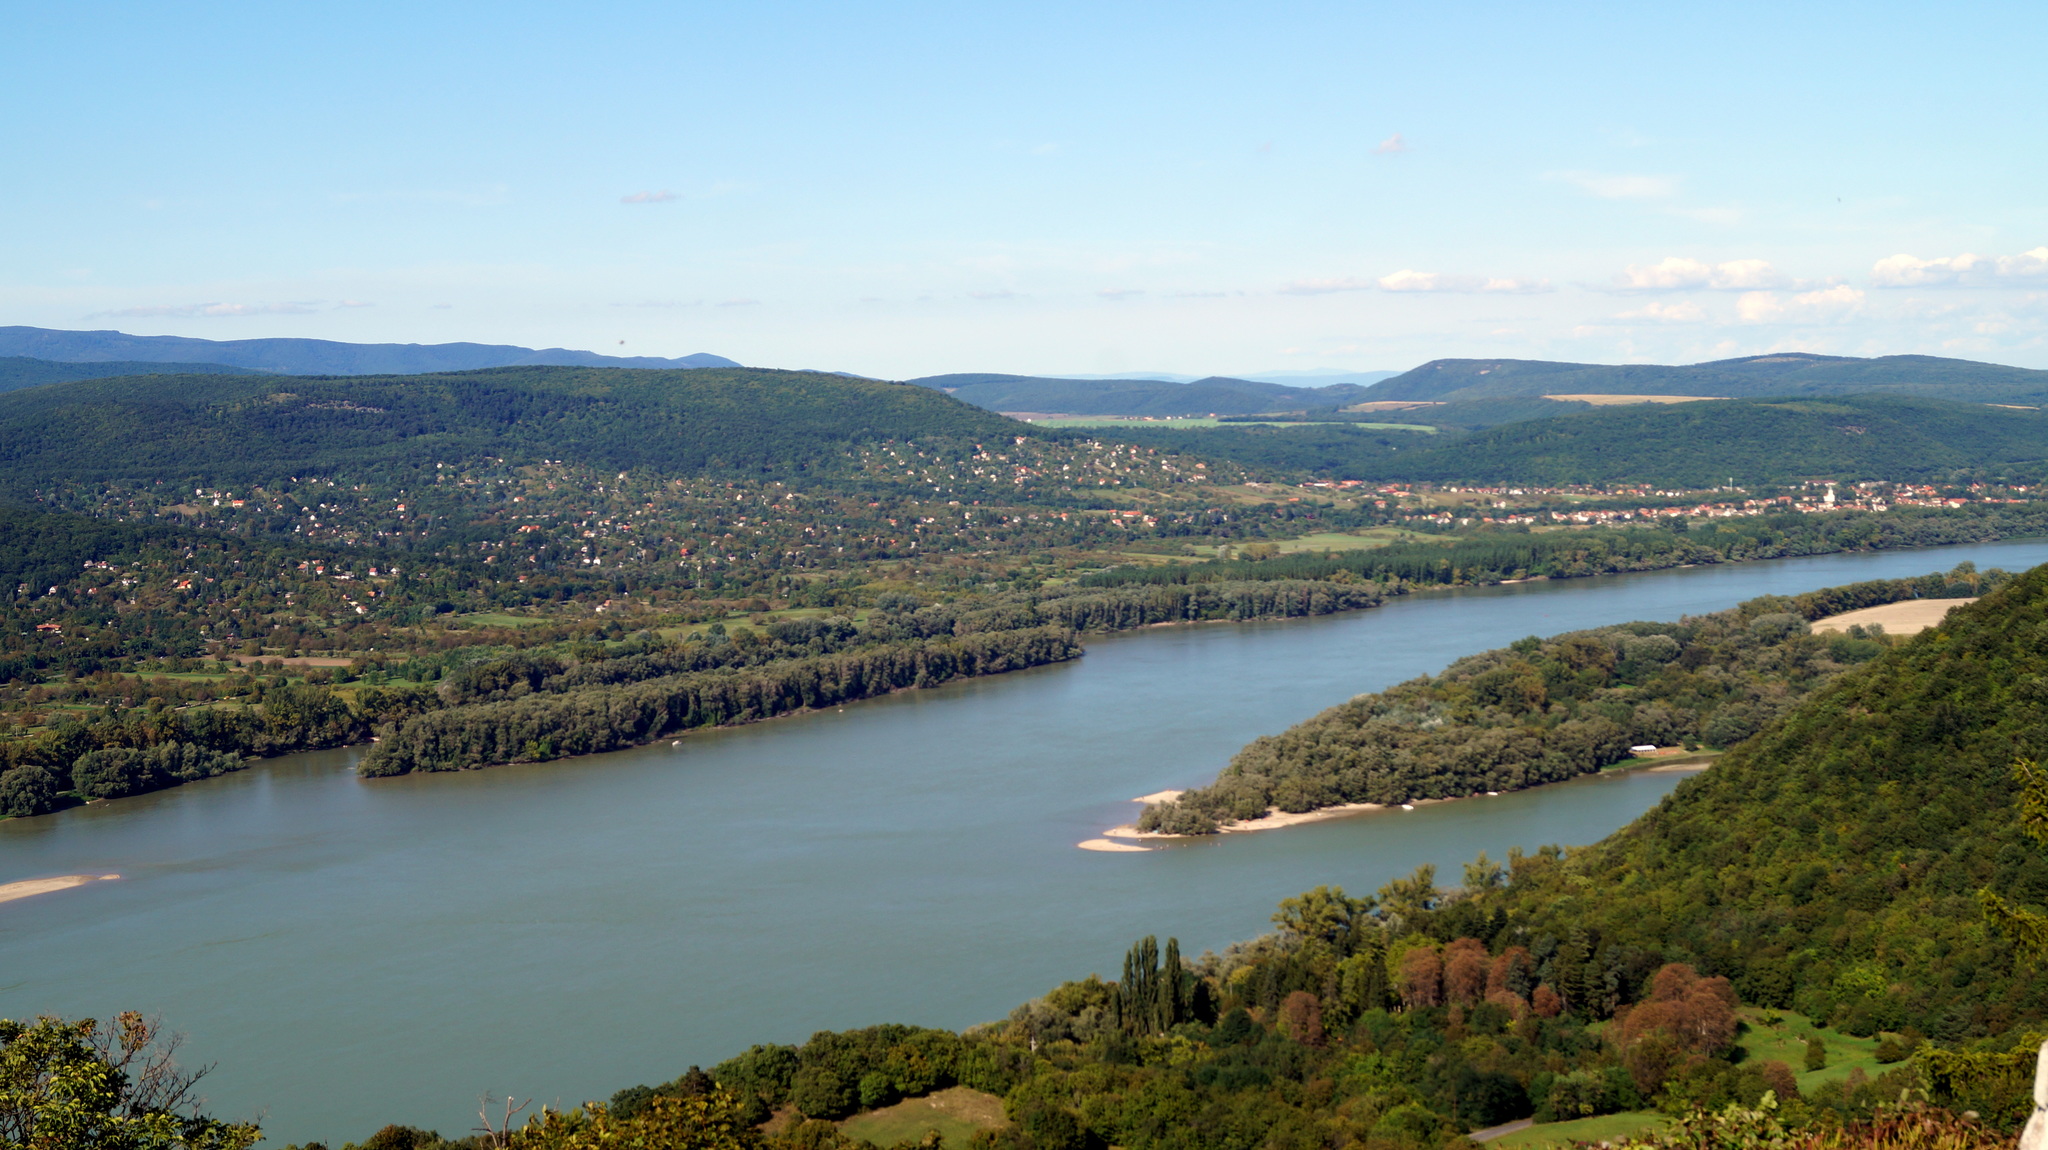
x=357 y=952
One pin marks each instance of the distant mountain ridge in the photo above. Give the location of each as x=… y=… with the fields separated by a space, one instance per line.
x=22 y=371
x=1216 y=395
x=314 y=356
x=1783 y=374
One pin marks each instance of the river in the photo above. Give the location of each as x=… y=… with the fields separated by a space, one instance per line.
x=360 y=952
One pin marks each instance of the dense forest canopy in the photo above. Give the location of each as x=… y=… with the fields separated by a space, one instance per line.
x=239 y=429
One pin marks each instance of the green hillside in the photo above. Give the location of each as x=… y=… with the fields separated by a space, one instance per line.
x=1787 y=373
x=18 y=371
x=1216 y=395
x=1832 y=864
x=1897 y=438
x=1703 y=444
x=233 y=429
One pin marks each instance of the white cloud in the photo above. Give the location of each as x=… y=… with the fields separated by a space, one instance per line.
x=212 y=310
x=1967 y=269
x=1409 y=280
x=355 y=303
x=1003 y=294
x=1392 y=145
x=1679 y=273
x=660 y=197
x=1620 y=187
x=1827 y=305
x=739 y=303
x=1121 y=293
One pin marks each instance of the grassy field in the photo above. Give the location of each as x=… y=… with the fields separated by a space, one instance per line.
x=956 y=1113
x=1324 y=541
x=1786 y=1042
x=498 y=619
x=1695 y=759
x=1783 y=1040
x=1599 y=1128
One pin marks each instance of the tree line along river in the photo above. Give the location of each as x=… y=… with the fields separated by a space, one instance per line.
x=357 y=952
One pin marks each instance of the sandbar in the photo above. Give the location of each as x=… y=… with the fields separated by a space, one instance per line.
x=23 y=889
x=1908 y=617
x=1159 y=797
x=1107 y=845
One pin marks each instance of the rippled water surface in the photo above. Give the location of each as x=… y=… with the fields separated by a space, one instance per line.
x=354 y=953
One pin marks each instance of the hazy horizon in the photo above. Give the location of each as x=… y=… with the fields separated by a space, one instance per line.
x=913 y=190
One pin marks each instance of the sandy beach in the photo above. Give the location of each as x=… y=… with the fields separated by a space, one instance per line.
x=23 y=889
x=1909 y=617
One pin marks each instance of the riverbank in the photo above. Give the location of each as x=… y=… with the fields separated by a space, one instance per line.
x=1126 y=837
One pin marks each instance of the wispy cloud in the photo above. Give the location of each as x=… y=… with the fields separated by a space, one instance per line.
x=1326 y=286
x=212 y=310
x=1409 y=280
x=1121 y=293
x=662 y=303
x=661 y=197
x=1827 y=305
x=1684 y=311
x=1966 y=270
x=1679 y=273
x=739 y=303
x=1392 y=145
x=355 y=303
x=1004 y=293
x=1620 y=187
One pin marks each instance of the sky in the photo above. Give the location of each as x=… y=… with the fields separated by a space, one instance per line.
x=902 y=189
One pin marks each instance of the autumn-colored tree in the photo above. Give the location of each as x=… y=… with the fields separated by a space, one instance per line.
x=1301 y=1018
x=1422 y=978
x=1514 y=972
x=1686 y=1018
x=1466 y=966
x=713 y=1121
x=1545 y=1002
x=1698 y=1013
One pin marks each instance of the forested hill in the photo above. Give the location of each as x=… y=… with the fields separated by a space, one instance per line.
x=312 y=356
x=233 y=429
x=1787 y=373
x=1833 y=863
x=1703 y=444
x=22 y=371
x=1216 y=395
x=1898 y=438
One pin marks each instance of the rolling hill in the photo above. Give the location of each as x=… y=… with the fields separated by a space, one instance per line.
x=1893 y=437
x=1216 y=395
x=1787 y=373
x=230 y=428
x=313 y=356
x=22 y=371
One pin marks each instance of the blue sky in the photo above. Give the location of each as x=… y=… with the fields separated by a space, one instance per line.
x=903 y=189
